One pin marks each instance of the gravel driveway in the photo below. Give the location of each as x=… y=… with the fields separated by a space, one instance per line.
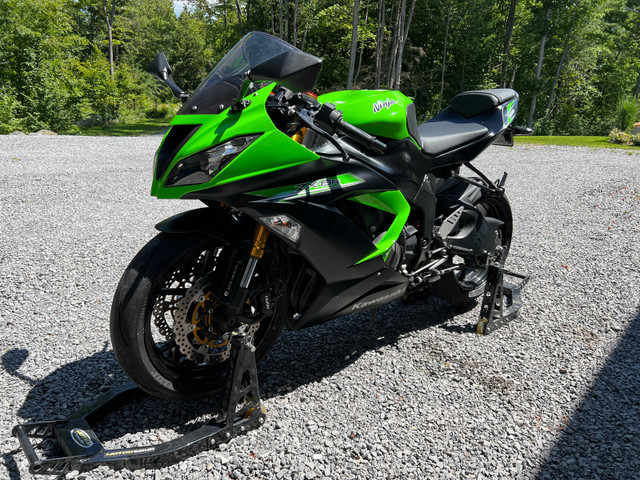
x=414 y=393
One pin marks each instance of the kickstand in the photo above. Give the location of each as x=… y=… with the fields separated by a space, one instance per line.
x=502 y=300
x=83 y=451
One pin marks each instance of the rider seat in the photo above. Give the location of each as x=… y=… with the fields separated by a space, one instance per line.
x=457 y=126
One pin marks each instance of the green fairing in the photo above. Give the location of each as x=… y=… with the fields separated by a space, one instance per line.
x=378 y=112
x=273 y=150
x=390 y=202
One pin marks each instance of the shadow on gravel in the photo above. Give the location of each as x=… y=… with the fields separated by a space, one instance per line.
x=602 y=439
x=297 y=359
x=309 y=355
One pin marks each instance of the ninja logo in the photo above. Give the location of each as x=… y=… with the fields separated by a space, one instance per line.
x=379 y=105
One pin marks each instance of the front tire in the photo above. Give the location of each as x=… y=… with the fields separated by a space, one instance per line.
x=143 y=311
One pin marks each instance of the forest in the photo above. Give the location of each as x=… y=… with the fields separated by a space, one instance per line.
x=575 y=63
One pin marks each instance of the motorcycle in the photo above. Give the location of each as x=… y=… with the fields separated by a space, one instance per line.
x=314 y=208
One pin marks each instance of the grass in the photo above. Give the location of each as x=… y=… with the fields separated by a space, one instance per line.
x=592 y=142
x=145 y=126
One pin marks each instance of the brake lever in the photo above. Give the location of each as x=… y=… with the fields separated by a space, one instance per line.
x=307 y=120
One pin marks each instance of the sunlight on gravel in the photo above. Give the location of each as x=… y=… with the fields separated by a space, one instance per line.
x=413 y=394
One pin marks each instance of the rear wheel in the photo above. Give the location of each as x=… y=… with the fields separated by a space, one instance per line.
x=467 y=283
x=162 y=286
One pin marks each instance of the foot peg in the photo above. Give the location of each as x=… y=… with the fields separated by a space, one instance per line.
x=502 y=300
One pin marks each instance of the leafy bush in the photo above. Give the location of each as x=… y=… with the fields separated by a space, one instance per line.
x=624 y=138
x=9 y=108
x=627 y=112
x=161 y=110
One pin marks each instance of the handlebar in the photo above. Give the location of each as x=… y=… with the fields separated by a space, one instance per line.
x=331 y=120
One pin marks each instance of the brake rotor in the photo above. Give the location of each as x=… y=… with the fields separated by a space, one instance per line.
x=165 y=306
x=194 y=329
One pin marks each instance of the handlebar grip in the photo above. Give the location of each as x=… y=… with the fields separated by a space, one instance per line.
x=331 y=120
x=362 y=137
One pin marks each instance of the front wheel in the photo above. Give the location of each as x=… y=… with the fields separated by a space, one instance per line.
x=467 y=283
x=148 y=302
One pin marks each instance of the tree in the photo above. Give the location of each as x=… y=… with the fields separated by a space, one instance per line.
x=507 y=41
x=109 y=21
x=543 y=43
x=444 y=54
x=354 y=43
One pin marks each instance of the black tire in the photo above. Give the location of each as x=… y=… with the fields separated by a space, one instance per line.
x=465 y=286
x=143 y=351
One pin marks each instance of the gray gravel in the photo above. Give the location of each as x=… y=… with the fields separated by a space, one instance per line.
x=412 y=394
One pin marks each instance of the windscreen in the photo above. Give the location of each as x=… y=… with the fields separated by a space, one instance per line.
x=221 y=87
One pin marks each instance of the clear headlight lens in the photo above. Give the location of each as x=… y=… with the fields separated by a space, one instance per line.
x=203 y=166
x=283 y=225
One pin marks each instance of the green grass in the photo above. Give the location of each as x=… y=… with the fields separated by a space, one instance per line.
x=145 y=126
x=592 y=142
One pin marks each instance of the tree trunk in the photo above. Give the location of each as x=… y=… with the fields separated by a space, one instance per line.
x=295 y=23
x=444 y=56
x=366 y=19
x=405 y=35
x=273 y=21
x=280 y=24
x=396 y=41
x=507 y=41
x=543 y=42
x=464 y=62
x=239 y=12
x=286 y=20
x=560 y=65
x=513 y=76
x=354 y=43
x=379 y=41
x=109 y=21
x=637 y=94
x=388 y=54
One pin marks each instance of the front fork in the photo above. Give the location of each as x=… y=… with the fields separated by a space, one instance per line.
x=239 y=298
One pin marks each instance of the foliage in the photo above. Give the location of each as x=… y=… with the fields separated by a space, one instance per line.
x=624 y=138
x=627 y=112
x=10 y=118
x=54 y=68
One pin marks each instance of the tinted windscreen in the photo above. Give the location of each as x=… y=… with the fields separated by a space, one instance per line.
x=221 y=87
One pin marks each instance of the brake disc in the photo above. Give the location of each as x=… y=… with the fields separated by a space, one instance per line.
x=194 y=329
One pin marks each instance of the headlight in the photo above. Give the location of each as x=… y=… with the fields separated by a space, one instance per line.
x=203 y=166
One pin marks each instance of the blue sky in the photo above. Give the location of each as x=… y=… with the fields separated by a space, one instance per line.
x=178 y=6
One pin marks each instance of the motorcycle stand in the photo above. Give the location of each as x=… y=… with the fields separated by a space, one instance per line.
x=502 y=300
x=242 y=412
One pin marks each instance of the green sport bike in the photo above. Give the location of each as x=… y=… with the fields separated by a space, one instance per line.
x=315 y=207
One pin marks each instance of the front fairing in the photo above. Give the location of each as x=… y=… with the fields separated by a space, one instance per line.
x=272 y=151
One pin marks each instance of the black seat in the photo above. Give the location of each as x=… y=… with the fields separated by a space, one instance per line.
x=440 y=135
x=470 y=104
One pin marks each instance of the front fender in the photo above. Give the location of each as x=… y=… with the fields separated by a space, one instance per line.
x=219 y=224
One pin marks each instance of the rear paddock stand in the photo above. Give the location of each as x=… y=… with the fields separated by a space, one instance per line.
x=83 y=451
x=502 y=300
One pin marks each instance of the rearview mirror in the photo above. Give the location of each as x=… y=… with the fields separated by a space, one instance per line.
x=159 y=68
x=293 y=69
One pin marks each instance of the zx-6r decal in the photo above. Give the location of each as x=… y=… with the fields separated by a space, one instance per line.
x=302 y=190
